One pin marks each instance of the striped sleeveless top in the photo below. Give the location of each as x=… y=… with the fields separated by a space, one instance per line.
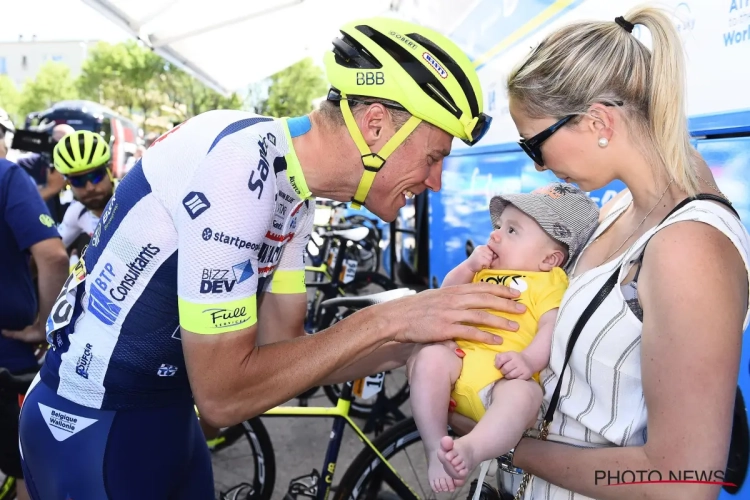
x=601 y=399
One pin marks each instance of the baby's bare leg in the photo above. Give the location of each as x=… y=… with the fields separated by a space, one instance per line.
x=515 y=404
x=435 y=369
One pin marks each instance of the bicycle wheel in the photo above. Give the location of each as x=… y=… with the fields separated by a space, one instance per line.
x=244 y=468
x=8 y=488
x=401 y=445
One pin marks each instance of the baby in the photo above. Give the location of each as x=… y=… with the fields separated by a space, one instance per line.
x=534 y=236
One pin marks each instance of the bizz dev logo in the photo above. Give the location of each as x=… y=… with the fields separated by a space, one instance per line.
x=221 y=280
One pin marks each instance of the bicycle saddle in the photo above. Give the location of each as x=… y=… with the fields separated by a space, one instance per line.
x=368 y=300
x=353 y=234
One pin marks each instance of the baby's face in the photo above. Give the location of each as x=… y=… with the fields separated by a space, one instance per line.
x=519 y=243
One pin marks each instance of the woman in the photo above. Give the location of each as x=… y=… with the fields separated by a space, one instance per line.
x=661 y=353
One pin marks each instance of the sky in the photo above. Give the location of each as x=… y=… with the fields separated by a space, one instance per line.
x=55 y=20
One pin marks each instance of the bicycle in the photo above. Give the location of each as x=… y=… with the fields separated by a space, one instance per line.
x=344 y=279
x=378 y=470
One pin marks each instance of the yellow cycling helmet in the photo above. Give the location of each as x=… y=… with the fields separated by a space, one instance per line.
x=416 y=67
x=80 y=151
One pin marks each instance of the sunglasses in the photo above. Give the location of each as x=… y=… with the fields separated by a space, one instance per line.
x=533 y=146
x=480 y=129
x=94 y=177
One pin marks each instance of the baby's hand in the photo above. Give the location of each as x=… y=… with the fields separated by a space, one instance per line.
x=513 y=365
x=480 y=258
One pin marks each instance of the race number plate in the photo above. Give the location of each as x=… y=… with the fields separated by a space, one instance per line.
x=369 y=386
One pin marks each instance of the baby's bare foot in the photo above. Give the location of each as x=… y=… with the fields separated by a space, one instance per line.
x=457 y=458
x=439 y=479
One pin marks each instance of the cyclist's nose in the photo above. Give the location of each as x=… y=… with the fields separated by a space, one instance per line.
x=539 y=168
x=434 y=180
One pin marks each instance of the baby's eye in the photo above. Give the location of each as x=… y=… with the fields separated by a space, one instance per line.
x=511 y=229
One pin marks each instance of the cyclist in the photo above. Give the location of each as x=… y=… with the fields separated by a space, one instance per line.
x=83 y=158
x=192 y=289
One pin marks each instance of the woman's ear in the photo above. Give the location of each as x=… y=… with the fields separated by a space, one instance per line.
x=601 y=121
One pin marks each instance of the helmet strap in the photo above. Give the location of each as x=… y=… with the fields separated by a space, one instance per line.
x=372 y=162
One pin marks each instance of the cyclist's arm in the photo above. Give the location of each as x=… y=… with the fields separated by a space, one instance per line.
x=33 y=230
x=282 y=308
x=280 y=317
x=69 y=228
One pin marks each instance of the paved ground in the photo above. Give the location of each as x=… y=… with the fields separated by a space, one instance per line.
x=300 y=444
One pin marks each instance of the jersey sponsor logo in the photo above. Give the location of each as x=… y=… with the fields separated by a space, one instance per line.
x=209 y=234
x=222 y=317
x=96 y=236
x=435 y=64
x=271 y=138
x=100 y=305
x=293 y=182
x=109 y=211
x=277 y=237
x=46 y=220
x=62 y=424
x=269 y=253
x=135 y=268
x=84 y=362
x=257 y=182
x=285 y=196
x=195 y=203
x=278 y=225
x=222 y=280
x=281 y=209
x=166 y=370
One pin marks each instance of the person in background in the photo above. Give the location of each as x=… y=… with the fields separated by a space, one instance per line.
x=7 y=129
x=26 y=230
x=49 y=182
x=83 y=158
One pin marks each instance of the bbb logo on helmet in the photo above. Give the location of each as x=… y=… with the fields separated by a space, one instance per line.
x=433 y=62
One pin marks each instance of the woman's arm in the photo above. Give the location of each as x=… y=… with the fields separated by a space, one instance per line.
x=694 y=291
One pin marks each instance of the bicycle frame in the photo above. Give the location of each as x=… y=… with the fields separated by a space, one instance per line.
x=340 y=415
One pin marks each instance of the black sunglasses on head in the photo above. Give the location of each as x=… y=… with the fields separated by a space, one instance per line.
x=533 y=146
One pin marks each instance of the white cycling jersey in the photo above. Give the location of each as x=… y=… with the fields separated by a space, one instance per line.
x=77 y=220
x=216 y=212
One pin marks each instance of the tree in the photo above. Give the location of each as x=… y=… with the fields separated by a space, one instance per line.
x=189 y=97
x=292 y=90
x=52 y=83
x=10 y=98
x=125 y=75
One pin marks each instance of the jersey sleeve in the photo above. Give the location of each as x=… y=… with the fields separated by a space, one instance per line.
x=69 y=228
x=551 y=291
x=289 y=276
x=220 y=225
x=25 y=211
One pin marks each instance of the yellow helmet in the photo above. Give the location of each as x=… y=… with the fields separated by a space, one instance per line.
x=416 y=67
x=80 y=151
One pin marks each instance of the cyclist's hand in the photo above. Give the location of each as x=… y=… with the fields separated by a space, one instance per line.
x=33 y=334
x=448 y=313
x=513 y=365
x=480 y=258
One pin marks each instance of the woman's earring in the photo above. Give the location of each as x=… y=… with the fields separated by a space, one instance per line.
x=603 y=142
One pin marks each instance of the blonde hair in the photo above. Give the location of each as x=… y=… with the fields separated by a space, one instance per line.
x=589 y=62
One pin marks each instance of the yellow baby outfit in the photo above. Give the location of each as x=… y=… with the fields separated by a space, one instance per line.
x=540 y=292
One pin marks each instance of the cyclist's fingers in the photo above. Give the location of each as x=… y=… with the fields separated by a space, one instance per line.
x=466 y=332
x=482 y=318
x=484 y=300
x=480 y=288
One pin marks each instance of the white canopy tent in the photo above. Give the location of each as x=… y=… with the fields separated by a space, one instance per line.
x=230 y=44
